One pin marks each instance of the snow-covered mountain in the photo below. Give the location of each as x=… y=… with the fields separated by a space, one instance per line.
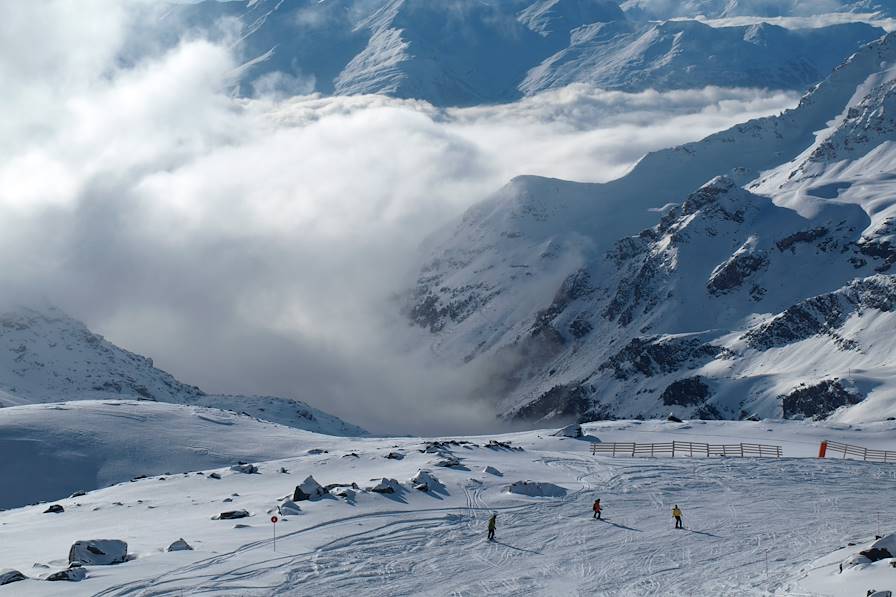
x=689 y=54
x=664 y=9
x=46 y=356
x=745 y=274
x=473 y=51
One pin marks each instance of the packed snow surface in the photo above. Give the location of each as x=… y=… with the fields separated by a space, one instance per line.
x=739 y=513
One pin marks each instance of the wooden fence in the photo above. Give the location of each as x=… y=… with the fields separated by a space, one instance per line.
x=850 y=451
x=687 y=449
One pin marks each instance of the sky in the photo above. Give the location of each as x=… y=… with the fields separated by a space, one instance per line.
x=262 y=245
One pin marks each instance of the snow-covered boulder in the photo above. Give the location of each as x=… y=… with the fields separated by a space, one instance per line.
x=98 y=552
x=231 y=515
x=426 y=481
x=448 y=462
x=536 y=489
x=180 y=545
x=248 y=469
x=490 y=470
x=74 y=573
x=395 y=456
x=289 y=508
x=574 y=431
x=386 y=486
x=308 y=490
x=10 y=576
x=882 y=549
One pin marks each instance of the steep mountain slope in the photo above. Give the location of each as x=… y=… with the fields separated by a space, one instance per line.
x=473 y=51
x=765 y=290
x=46 y=356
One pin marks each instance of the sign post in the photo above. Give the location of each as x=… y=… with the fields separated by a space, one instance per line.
x=275 y=520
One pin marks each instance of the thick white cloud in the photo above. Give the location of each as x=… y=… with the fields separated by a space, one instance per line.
x=257 y=245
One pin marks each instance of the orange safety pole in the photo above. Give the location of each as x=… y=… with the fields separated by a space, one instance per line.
x=823 y=449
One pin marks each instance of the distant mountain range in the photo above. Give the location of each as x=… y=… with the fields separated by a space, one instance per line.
x=46 y=356
x=749 y=273
x=468 y=52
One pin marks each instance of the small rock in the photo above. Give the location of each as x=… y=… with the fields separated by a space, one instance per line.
x=231 y=514
x=248 y=469
x=214 y=476
x=289 y=508
x=180 y=545
x=574 y=431
x=316 y=451
x=74 y=573
x=386 y=486
x=78 y=494
x=227 y=500
x=10 y=576
x=674 y=419
x=242 y=526
x=395 y=456
x=283 y=470
x=54 y=509
x=492 y=471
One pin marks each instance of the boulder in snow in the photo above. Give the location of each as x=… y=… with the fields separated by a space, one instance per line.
x=308 y=490
x=248 y=469
x=289 y=508
x=214 y=476
x=180 y=545
x=98 y=552
x=447 y=462
x=574 y=431
x=74 y=573
x=536 y=489
x=386 y=486
x=231 y=514
x=492 y=471
x=426 y=481
x=10 y=576
x=395 y=456
x=78 y=494
x=674 y=419
x=54 y=509
x=316 y=451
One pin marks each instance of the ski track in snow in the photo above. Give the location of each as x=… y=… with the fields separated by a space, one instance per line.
x=734 y=512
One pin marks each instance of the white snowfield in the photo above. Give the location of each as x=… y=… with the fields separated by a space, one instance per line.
x=753 y=526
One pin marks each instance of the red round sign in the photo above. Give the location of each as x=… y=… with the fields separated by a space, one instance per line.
x=274 y=519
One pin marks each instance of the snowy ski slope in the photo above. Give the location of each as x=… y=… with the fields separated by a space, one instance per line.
x=791 y=512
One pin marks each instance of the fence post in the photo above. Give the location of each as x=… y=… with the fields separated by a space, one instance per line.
x=614 y=449
x=691 y=444
x=741 y=450
x=823 y=449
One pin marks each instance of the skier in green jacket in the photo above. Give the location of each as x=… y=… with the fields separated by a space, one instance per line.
x=491 y=526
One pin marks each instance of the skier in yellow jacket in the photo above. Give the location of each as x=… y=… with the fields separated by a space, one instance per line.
x=676 y=513
x=491 y=526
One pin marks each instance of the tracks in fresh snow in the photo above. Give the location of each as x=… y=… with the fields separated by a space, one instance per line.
x=736 y=511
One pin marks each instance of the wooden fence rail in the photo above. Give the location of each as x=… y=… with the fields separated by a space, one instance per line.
x=687 y=449
x=848 y=450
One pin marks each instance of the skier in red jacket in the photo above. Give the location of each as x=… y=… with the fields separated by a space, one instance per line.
x=597 y=508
